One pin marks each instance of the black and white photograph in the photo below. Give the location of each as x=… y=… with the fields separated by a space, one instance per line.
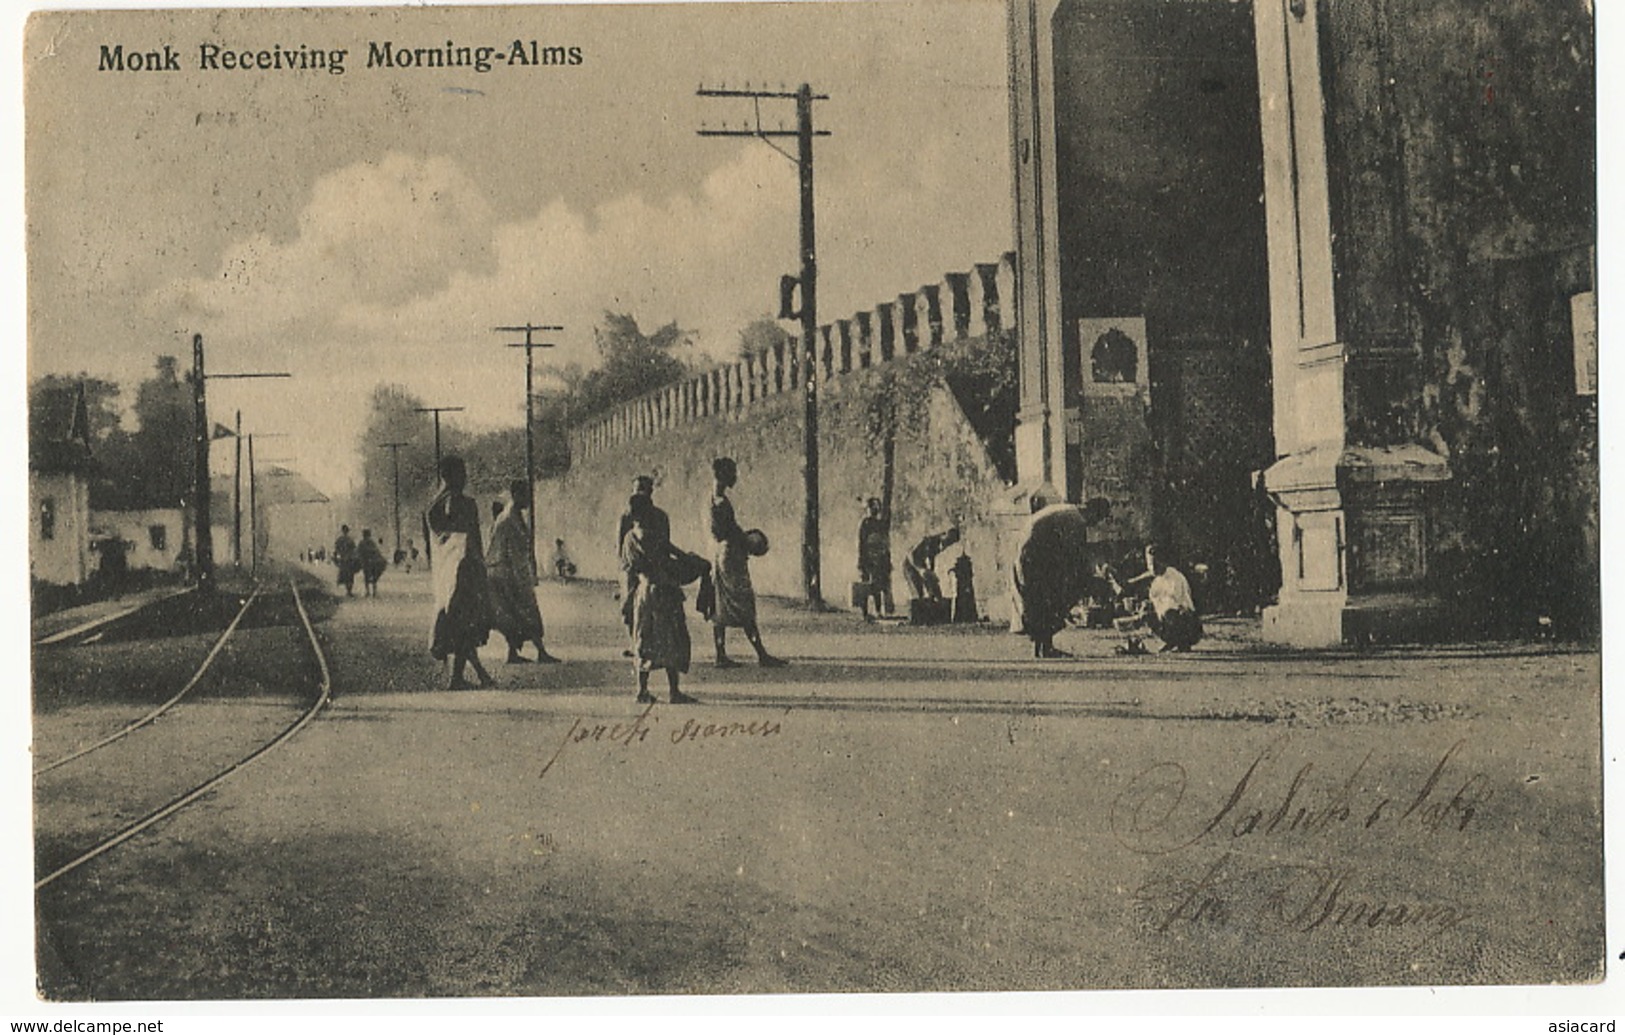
x=988 y=502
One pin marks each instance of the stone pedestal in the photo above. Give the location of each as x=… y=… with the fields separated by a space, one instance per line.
x=1352 y=532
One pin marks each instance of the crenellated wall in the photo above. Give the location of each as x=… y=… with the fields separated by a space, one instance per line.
x=872 y=377
x=962 y=306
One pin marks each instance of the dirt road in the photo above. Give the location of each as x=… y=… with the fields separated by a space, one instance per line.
x=900 y=810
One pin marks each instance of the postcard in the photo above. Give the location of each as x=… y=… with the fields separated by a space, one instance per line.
x=712 y=499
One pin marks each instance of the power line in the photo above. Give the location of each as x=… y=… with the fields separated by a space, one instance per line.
x=529 y=345
x=808 y=284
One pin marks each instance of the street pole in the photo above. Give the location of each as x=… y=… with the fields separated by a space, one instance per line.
x=237 y=493
x=437 y=411
x=253 y=514
x=395 y=454
x=811 y=566
x=530 y=422
x=428 y=545
x=202 y=539
x=811 y=563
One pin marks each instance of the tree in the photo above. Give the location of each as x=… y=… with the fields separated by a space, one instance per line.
x=634 y=363
x=392 y=417
x=494 y=459
x=761 y=334
x=162 y=442
x=51 y=399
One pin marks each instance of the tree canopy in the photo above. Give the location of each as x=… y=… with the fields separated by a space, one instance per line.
x=634 y=363
x=149 y=466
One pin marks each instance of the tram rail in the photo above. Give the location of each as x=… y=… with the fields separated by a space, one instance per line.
x=148 y=718
x=324 y=691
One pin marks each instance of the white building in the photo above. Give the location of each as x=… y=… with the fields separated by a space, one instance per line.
x=59 y=471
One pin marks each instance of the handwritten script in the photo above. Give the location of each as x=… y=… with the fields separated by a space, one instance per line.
x=1273 y=810
x=641 y=731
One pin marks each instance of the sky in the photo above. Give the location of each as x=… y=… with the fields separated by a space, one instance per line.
x=376 y=225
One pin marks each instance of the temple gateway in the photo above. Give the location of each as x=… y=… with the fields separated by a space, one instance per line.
x=1310 y=286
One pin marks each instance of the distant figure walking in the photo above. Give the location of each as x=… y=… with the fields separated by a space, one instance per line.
x=874 y=558
x=370 y=559
x=344 y=559
x=642 y=485
x=659 y=628
x=735 y=603
x=513 y=588
x=462 y=594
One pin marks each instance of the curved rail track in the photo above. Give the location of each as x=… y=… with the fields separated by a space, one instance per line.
x=324 y=693
x=144 y=720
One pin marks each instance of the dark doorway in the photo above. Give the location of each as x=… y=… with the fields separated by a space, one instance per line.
x=1161 y=217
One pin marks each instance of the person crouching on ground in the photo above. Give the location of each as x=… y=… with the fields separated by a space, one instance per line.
x=563 y=567
x=1169 y=610
x=1052 y=569
x=660 y=570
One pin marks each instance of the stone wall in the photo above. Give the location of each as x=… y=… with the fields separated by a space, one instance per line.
x=962 y=306
x=1466 y=245
x=943 y=476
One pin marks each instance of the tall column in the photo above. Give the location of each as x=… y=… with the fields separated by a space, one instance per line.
x=1035 y=310
x=1350 y=518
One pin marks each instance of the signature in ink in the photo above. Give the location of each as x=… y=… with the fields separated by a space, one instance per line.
x=1152 y=816
x=638 y=731
x=1289 y=896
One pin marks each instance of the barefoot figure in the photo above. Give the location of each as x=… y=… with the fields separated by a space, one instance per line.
x=513 y=585
x=735 y=597
x=659 y=571
x=462 y=594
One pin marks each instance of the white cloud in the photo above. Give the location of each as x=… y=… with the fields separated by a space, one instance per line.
x=398 y=269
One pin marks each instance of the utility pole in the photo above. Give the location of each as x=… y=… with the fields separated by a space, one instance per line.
x=395 y=454
x=428 y=544
x=237 y=493
x=530 y=421
x=253 y=514
x=253 y=503
x=202 y=538
x=808 y=282
x=202 y=435
x=437 y=411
